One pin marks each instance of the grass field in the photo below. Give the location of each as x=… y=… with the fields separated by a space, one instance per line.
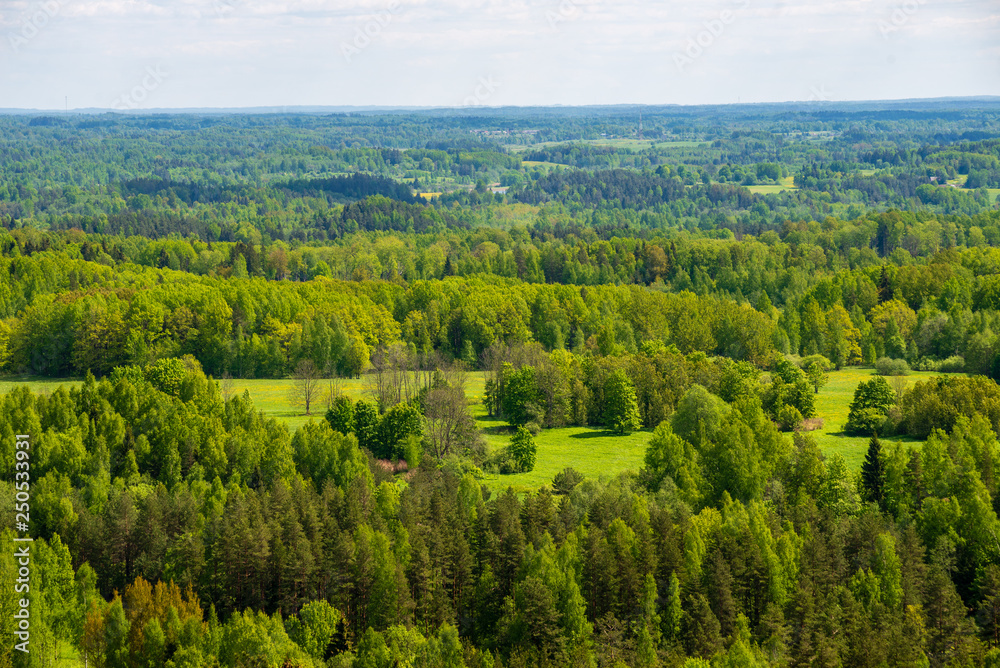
x=832 y=406
x=635 y=144
x=541 y=163
x=787 y=183
x=592 y=452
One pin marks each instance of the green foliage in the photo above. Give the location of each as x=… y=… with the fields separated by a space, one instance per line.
x=340 y=415
x=885 y=366
x=395 y=427
x=699 y=415
x=522 y=450
x=873 y=473
x=566 y=480
x=872 y=401
x=314 y=628
x=789 y=417
x=940 y=402
x=521 y=397
x=670 y=456
x=621 y=412
x=617 y=290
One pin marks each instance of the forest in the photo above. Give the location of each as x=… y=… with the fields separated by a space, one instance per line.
x=698 y=281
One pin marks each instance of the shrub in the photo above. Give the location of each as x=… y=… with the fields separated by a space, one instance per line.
x=806 y=362
x=789 y=417
x=953 y=364
x=885 y=366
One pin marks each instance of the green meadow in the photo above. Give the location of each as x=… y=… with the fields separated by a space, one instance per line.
x=591 y=451
x=832 y=405
x=787 y=183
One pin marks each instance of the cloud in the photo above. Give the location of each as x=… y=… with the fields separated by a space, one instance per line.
x=266 y=52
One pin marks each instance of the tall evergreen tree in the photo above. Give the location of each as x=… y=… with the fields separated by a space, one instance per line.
x=873 y=473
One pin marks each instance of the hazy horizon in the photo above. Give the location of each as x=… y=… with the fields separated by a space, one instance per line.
x=230 y=54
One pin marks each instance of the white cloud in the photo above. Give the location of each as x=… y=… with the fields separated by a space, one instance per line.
x=265 y=52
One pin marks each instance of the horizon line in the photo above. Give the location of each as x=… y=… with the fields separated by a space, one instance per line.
x=320 y=108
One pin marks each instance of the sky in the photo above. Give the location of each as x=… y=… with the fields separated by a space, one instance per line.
x=142 y=54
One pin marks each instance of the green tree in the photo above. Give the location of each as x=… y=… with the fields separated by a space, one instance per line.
x=873 y=473
x=522 y=450
x=356 y=357
x=698 y=413
x=366 y=421
x=340 y=415
x=398 y=424
x=621 y=410
x=872 y=401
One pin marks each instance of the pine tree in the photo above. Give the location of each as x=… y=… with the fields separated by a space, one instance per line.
x=873 y=473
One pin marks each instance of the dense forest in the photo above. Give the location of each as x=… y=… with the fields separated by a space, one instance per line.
x=696 y=281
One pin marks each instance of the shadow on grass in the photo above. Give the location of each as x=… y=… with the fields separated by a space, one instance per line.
x=604 y=433
x=498 y=430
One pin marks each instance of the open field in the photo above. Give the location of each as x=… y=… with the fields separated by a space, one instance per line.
x=631 y=143
x=542 y=163
x=832 y=405
x=592 y=452
x=787 y=183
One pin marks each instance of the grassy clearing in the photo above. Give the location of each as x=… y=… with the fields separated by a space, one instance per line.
x=635 y=144
x=833 y=404
x=787 y=183
x=37 y=384
x=592 y=452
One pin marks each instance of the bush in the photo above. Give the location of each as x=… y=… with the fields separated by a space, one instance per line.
x=824 y=363
x=885 y=366
x=566 y=480
x=953 y=364
x=789 y=417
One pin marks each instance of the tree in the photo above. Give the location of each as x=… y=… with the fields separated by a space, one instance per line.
x=621 y=410
x=566 y=480
x=448 y=419
x=872 y=401
x=698 y=412
x=397 y=425
x=670 y=456
x=873 y=473
x=817 y=376
x=366 y=421
x=306 y=387
x=521 y=398
x=340 y=415
x=356 y=357
x=522 y=450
